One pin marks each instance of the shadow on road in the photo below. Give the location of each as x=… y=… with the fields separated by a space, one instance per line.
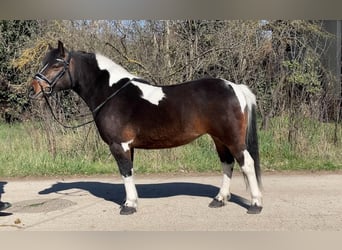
x=2 y=184
x=116 y=192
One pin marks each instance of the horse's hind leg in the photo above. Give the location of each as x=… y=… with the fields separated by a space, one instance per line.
x=227 y=161
x=227 y=155
x=246 y=163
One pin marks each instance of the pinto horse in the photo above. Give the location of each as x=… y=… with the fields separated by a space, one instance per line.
x=131 y=113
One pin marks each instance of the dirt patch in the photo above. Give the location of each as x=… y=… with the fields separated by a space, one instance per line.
x=40 y=205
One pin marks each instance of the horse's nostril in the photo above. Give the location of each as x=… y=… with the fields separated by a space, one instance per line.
x=32 y=94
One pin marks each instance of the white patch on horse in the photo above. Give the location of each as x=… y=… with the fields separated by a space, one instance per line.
x=153 y=94
x=125 y=145
x=131 y=192
x=244 y=95
x=116 y=72
x=248 y=170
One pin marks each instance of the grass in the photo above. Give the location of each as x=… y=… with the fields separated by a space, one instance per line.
x=25 y=152
x=27 y=149
x=313 y=147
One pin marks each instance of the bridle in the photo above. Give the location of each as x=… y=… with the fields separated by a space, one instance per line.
x=52 y=82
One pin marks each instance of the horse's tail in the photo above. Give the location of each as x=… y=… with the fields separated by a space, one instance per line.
x=252 y=136
x=253 y=144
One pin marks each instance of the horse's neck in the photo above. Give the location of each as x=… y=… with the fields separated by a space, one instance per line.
x=93 y=89
x=93 y=97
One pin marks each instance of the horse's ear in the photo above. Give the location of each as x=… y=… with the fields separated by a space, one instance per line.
x=61 y=48
x=50 y=47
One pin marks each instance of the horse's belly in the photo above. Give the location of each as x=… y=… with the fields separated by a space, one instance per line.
x=160 y=142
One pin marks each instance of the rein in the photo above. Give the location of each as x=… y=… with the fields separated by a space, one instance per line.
x=94 y=112
x=97 y=109
x=59 y=122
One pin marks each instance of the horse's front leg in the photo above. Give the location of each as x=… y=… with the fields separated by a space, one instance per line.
x=124 y=159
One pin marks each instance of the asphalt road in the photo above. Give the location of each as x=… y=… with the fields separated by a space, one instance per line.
x=292 y=202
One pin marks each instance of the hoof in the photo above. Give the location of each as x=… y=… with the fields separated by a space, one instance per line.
x=126 y=210
x=216 y=203
x=4 y=205
x=254 y=209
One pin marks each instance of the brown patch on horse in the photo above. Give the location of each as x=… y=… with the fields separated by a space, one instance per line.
x=128 y=133
x=199 y=125
x=39 y=86
x=71 y=64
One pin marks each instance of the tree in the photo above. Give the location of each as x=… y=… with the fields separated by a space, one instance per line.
x=13 y=35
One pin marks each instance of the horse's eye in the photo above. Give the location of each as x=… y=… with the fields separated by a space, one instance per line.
x=59 y=63
x=56 y=65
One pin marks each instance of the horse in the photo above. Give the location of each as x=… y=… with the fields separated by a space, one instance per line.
x=130 y=113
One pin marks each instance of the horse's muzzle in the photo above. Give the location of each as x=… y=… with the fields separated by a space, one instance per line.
x=38 y=89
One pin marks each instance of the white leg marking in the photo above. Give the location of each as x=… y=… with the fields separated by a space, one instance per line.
x=153 y=94
x=125 y=145
x=116 y=72
x=225 y=187
x=131 y=192
x=248 y=170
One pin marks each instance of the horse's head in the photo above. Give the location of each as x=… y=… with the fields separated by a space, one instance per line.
x=55 y=74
